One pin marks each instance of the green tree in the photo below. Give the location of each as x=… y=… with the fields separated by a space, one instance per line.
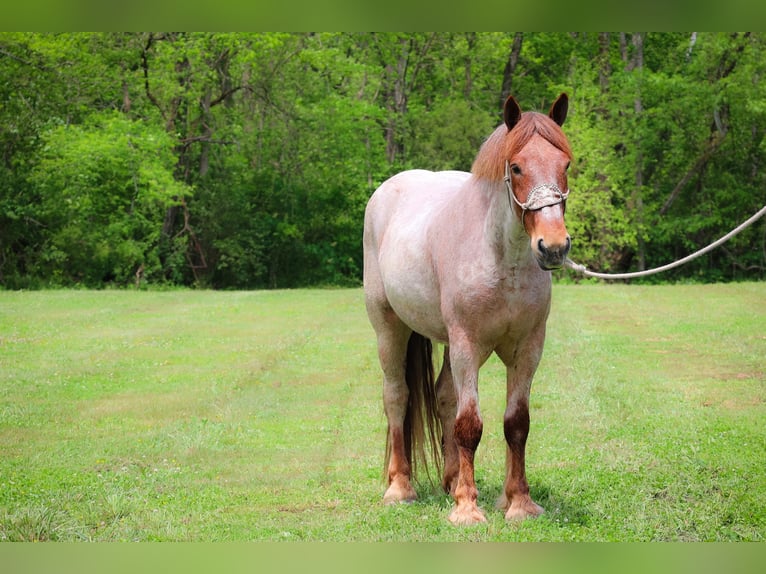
x=45 y=80
x=104 y=187
x=283 y=136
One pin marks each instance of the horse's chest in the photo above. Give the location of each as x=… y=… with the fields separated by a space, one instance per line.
x=499 y=309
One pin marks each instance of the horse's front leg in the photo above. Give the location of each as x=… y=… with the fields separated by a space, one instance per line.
x=521 y=366
x=466 y=432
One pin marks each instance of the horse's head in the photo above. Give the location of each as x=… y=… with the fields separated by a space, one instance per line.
x=536 y=164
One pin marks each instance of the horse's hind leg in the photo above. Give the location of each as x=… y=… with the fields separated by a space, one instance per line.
x=392 y=350
x=447 y=404
x=393 y=336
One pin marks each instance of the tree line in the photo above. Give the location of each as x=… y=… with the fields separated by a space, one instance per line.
x=246 y=160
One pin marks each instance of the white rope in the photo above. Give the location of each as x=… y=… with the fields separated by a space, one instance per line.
x=581 y=268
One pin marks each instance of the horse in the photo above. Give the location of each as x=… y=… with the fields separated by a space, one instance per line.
x=464 y=260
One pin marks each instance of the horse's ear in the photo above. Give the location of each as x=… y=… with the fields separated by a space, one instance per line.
x=559 y=109
x=511 y=112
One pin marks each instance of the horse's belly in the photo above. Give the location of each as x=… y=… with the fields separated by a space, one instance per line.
x=414 y=297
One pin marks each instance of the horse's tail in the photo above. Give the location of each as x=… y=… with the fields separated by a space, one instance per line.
x=421 y=423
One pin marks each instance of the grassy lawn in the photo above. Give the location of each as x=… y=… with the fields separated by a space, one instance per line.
x=214 y=416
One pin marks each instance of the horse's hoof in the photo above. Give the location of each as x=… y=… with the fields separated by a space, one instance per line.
x=523 y=510
x=467 y=515
x=399 y=491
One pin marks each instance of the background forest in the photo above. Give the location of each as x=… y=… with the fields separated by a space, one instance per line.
x=246 y=160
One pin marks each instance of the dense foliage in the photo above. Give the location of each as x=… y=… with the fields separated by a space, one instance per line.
x=246 y=160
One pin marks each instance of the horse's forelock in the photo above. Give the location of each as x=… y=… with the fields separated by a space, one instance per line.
x=502 y=144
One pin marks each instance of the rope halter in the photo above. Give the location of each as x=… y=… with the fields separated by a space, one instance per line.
x=543 y=195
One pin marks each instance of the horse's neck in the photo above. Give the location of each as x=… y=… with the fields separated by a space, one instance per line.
x=503 y=229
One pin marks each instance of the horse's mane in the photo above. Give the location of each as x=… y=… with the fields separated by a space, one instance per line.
x=503 y=144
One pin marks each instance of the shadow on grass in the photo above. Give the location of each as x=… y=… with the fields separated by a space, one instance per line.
x=560 y=508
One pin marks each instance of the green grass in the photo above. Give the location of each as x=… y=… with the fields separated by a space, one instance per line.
x=207 y=416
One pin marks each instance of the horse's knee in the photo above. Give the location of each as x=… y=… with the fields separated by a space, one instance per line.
x=516 y=425
x=468 y=427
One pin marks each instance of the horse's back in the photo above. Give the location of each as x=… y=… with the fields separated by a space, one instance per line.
x=410 y=199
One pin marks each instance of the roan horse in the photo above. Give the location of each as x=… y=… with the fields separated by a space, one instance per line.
x=464 y=259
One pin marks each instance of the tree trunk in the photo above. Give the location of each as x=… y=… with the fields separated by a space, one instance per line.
x=637 y=63
x=395 y=73
x=468 y=87
x=604 y=65
x=510 y=68
x=400 y=75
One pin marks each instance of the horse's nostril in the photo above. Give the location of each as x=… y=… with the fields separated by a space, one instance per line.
x=541 y=246
x=569 y=244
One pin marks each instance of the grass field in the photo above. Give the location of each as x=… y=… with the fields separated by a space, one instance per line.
x=209 y=416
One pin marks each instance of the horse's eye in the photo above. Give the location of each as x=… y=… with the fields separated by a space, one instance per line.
x=516 y=169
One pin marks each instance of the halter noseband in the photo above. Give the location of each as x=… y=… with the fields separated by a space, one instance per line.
x=543 y=195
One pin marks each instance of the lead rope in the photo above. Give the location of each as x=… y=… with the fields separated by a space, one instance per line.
x=581 y=268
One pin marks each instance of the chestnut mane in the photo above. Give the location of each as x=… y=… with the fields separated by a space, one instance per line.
x=503 y=144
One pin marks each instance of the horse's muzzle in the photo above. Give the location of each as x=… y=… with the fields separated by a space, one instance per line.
x=551 y=257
